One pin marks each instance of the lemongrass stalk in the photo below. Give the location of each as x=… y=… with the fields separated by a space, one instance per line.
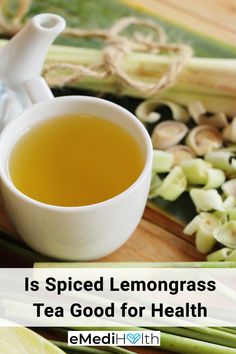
x=204 y=240
x=216 y=333
x=162 y=161
x=135 y=265
x=226 y=329
x=179 y=344
x=206 y=336
x=89 y=350
x=220 y=255
x=201 y=75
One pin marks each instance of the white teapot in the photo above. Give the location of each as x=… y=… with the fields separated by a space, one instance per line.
x=21 y=62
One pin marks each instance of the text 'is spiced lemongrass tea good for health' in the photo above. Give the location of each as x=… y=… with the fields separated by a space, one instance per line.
x=75 y=160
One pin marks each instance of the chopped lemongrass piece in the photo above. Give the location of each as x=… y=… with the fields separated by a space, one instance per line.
x=220 y=255
x=232 y=214
x=226 y=234
x=231 y=257
x=203 y=225
x=146 y=111
x=167 y=134
x=229 y=133
x=229 y=187
x=192 y=226
x=195 y=170
x=173 y=185
x=205 y=200
x=196 y=109
x=204 y=139
x=155 y=183
x=162 y=161
x=221 y=159
x=204 y=240
x=215 y=178
x=217 y=120
x=181 y=153
x=229 y=203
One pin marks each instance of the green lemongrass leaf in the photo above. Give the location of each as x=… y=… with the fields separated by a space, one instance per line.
x=215 y=178
x=205 y=200
x=229 y=188
x=173 y=185
x=220 y=255
x=221 y=159
x=195 y=170
x=162 y=161
x=226 y=234
x=231 y=257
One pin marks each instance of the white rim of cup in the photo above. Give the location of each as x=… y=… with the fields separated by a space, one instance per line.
x=148 y=161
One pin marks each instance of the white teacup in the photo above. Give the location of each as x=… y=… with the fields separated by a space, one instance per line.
x=75 y=233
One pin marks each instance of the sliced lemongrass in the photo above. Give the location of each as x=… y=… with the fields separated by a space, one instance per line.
x=181 y=153
x=204 y=240
x=221 y=159
x=229 y=132
x=196 y=109
x=204 y=139
x=167 y=134
x=195 y=170
x=162 y=161
x=173 y=185
x=155 y=183
x=147 y=111
x=205 y=200
x=229 y=203
x=215 y=178
x=231 y=257
x=220 y=255
x=192 y=226
x=232 y=214
x=226 y=234
x=217 y=120
x=229 y=187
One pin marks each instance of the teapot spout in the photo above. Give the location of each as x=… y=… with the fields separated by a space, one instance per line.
x=23 y=57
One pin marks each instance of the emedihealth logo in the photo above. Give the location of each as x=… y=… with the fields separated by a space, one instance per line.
x=116 y=338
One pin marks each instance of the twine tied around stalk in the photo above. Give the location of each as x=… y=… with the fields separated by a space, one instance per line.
x=116 y=48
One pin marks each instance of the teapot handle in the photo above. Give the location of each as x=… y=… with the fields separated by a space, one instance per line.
x=38 y=90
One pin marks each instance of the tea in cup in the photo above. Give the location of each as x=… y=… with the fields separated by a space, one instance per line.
x=75 y=175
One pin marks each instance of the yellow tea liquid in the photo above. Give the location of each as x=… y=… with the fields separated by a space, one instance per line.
x=75 y=160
